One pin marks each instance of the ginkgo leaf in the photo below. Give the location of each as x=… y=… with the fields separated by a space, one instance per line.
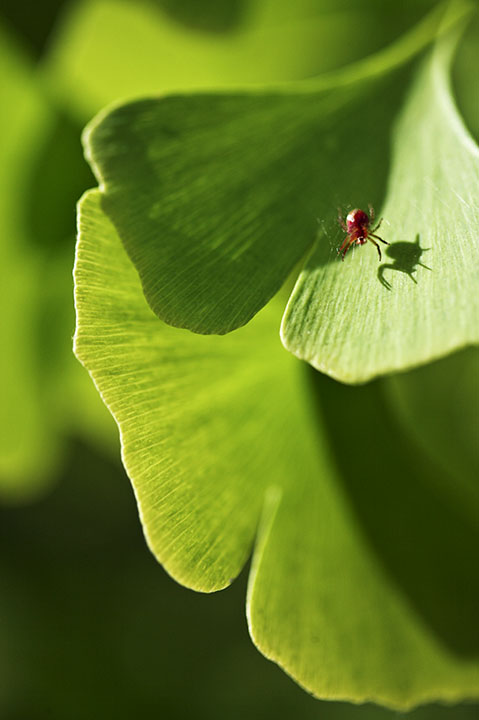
x=357 y=319
x=437 y=406
x=361 y=583
x=344 y=593
x=199 y=416
x=464 y=76
x=216 y=196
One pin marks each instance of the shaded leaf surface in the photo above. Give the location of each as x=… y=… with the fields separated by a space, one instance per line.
x=209 y=15
x=438 y=406
x=464 y=76
x=368 y=606
x=216 y=197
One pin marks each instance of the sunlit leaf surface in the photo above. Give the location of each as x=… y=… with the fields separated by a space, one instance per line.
x=346 y=592
x=199 y=417
x=358 y=319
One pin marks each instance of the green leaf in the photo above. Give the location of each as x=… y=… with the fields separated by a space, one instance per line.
x=198 y=231
x=357 y=588
x=437 y=406
x=345 y=592
x=199 y=417
x=216 y=197
x=464 y=76
x=111 y=49
x=355 y=320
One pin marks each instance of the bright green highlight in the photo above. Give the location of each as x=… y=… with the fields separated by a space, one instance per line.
x=200 y=418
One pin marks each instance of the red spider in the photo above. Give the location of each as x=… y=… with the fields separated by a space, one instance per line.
x=357 y=230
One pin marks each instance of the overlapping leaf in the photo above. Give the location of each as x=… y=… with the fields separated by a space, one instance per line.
x=437 y=405
x=345 y=593
x=464 y=76
x=199 y=417
x=217 y=197
x=355 y=320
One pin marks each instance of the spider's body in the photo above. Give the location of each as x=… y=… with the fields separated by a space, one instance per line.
x=357 y=229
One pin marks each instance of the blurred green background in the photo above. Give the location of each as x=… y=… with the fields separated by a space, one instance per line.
x=91 y=626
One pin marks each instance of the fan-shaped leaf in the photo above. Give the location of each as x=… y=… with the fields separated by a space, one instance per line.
x=358 y=319
x=346 y=592
x=216 y=197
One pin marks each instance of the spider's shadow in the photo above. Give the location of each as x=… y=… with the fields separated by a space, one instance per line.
x=406 y=258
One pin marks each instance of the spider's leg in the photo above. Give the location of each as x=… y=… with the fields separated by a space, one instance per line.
x=371 y=213
x=341 y=220
x=377 y=226
x=345 y=251
x=378 y=248
x=379 y=238
x=348 y=241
